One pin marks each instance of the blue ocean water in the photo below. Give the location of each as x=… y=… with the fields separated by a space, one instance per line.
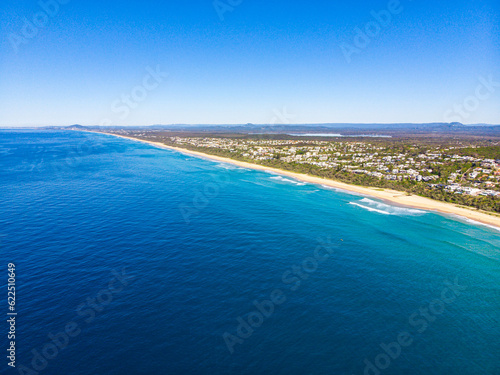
x=136 y=260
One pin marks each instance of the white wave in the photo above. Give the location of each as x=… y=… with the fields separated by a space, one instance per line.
x=330 y=187
x=373 y=205
x=282 y=179
x=271 y=172
x=227 y=166
x=345 y=191
x=312 y=191
x=470 y=221
x=370 y=208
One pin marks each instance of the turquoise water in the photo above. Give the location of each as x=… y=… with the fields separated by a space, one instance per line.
x=223 y=270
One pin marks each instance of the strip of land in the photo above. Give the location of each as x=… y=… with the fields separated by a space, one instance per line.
x=393 y=196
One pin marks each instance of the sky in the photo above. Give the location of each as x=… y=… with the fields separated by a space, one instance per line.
x=252 y=61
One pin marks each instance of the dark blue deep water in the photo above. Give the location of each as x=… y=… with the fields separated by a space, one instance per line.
x=357 y=286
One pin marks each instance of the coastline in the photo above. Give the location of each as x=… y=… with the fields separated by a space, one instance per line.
x=392 y=196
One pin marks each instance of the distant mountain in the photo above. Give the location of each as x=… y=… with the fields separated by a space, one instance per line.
x=398 y=129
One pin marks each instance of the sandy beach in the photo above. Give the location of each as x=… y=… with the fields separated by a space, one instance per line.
x=393 y=196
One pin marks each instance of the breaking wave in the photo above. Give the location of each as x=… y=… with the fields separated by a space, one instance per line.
x=283 y=179
x=386 y=209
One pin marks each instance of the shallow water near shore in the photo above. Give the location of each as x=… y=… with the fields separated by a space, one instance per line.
x=200 y=245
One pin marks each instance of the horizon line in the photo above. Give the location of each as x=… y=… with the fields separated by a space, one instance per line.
x=245 y=124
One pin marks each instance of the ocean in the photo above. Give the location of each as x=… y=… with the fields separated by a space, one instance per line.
x=131 y=259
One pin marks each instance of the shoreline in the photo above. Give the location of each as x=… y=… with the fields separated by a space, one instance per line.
x=392 y=196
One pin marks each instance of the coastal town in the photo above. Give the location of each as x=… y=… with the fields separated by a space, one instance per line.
x=471 y=176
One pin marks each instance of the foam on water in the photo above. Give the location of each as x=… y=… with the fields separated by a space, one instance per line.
x=342 y=190
x=383 y=208
x=226 y=166
x=283 y=179
x=370 y=208
x=482 y=224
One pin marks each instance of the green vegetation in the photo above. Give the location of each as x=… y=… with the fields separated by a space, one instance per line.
x=491 y=152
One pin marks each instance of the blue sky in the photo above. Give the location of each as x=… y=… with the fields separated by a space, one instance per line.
x=166 y=62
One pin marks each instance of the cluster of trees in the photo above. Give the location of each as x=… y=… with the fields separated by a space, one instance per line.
x=486 y=152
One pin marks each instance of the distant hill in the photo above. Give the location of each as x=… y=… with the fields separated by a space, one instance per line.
x=400 y=129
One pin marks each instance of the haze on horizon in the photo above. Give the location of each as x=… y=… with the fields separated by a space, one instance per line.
x=210 y=62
